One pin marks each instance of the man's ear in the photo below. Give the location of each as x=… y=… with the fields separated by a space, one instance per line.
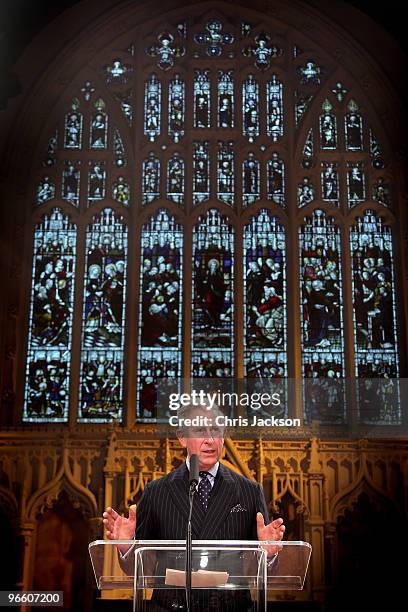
x=182 y=439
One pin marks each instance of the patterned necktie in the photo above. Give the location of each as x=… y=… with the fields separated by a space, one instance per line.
x=204 y=490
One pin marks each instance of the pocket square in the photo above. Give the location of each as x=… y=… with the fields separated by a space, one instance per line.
x=238 y=508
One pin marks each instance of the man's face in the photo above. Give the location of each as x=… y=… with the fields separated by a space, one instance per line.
x=206 y=441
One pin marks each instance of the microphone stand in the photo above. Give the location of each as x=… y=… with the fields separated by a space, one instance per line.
x=189 y=546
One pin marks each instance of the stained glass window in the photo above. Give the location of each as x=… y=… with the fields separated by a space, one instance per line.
x=45 y=190
x=381 y=192
x=328 y=128
x=151 y=178
x=46 y=396
x=305 y=192
x=103 y=319
x=51 y=150
x=356 y=189
x=98 y=138
x=274 y=106
x=302 y=101
x=225 y=99
x=250 y=108
x=152 y=108
x=202 y=99
x=276 y=180
x=201 y=172
x=213 y=306
x=330 y=182
x=125 y=101
x=160 y=312
x=175 y=179
x=308 y=150
x=73 y=127
x=353 y=125
x=376 y=154
x=121 y=191
x=96 y=182
x=265 y=297
x=119 y=150
x=70 y=182
x=321 y=306
x=225 y=172
x=176 y=108
x=251 y=180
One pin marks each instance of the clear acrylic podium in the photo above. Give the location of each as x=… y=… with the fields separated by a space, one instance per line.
x=225 y=571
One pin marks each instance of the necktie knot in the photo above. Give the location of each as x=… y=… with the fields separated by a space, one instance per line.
x=204 y=474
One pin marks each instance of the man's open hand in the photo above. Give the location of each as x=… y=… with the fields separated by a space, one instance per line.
x=274 y=531
x=118 y=527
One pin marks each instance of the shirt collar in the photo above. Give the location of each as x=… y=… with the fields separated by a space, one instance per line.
x=213 y=471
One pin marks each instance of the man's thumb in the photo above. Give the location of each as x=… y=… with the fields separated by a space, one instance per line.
x=132 y=513
x=260 y=519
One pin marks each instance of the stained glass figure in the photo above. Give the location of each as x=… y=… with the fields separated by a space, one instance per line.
x=328 y=128
x=339 y=91
x=263 y=51
x=121 y=191
x=305 y=192
x=225 y=172
x=213 y=307
x=176 y=108
x=382 y=192
x=308 y=150
x=103 y=326
x=51 y=150
x=274 y=109
x=201 y=172
x=251 y=180
x=46 y=397
x=96 y=182
x=302 y=102
x=152 y=108
x=160 y=313
x=276 y=180
x=246 y=28
x=87 y=90
x=376 y=154
x=330 y=182
x=119 y=149
x=353 y=125
x=202 y=99
x=125 y=100
x=373 y=281
x=225 y=99
x=151 y=178
x=98 y=138
x=265 y=326
x=175 y=179
x=311 y=73
x=73 y=127
x=356 y=189
x=250 y=108
x=320 y=308
x=214 y=38
x=166 y=50
x=45 y=190
x=118 y=73
x=70 y=182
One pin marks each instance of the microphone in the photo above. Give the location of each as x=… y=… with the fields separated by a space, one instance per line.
x=193 y=482
x=194 y=471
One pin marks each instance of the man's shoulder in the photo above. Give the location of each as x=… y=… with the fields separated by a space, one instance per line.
x=178 y=472
x=238 y=478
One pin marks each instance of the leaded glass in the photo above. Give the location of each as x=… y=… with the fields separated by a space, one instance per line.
x=87 y=90
x=73 y=127
x=70 y=182
x=274 y=109
x=225 y=172
x=302 y=101
x=117 y=73
x=330 y=182
x=152 y=108
x=382 y=192
x=167 y=51
x=51 y=150
x=201 y=172
x=321 y=308
x=308 y=150
x=376 y=154
x=356 y=190
x=160 y=312
x=276 y=180
x=46 y=397
x=374 y=304
x=121 y=191
x=328 y=128
x=98 y=137
x=305 y=192
x=125 y=100
x=311 y=73
x=151 y=178
x=214 y=38
x=251 y=180
x=353 y=126
x=250 y=108
x=213 y=308
x=119 y=150
x=263 y=51
x=96 y=182
x=45 y=190
x=265 y=322
x=225 y=99
x=103 y=323
x=339 y=91
x=176 y=108
x=202 y=99
x=175 y=179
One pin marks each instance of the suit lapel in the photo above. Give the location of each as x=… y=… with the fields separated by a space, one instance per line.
x=223 y=497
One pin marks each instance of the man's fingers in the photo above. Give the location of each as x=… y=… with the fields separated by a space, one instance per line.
x=277 y=522
x=260 y=519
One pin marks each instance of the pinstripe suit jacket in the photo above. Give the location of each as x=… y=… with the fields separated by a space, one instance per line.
x=162 y=514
